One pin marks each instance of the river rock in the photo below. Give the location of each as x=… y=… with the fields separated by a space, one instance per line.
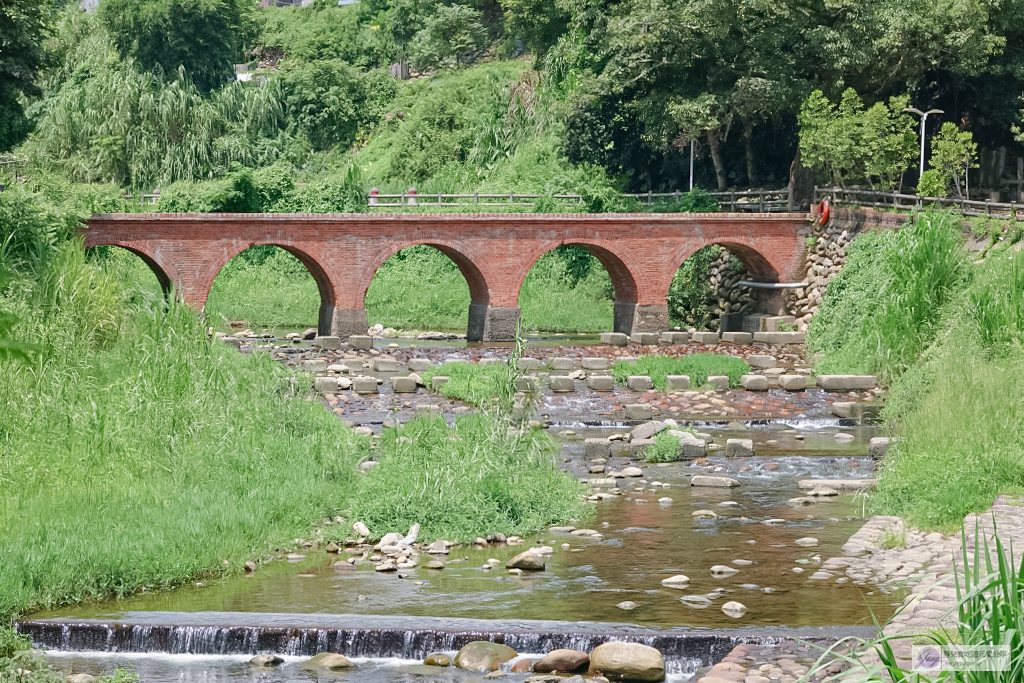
x=722 y=570
x=566 y=661
x=438 y=659
x=75 y=678
x=626 y=605
x=327 y=661
x=527 y=560
x=677 y=581
x=627 y=662
x=547 y=678
x=434 y=564
x=704 y=514
x=878 y=447
x=523 y=666
x=807 y=542
x=734 y=609
x=483 y=655
x=632 y=472
x=697 y=601
x=843 y=437
x=721 y=482
x=360 y=529
x=265 y=660
x=647 y=430
x=739 y=448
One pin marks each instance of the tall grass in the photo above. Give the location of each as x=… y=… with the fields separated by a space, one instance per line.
x=946 y=335
x=697 y=366
x=900 y=281
x=471 y=479
x=154 y=461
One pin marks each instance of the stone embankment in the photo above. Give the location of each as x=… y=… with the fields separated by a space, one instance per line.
x=888 y=556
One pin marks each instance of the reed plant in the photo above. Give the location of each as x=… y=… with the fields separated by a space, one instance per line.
x=989 y=613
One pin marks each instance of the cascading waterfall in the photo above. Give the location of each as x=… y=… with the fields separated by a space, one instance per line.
x=683 y=652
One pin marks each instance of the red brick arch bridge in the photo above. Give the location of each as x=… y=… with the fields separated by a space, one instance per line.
x=494 y=252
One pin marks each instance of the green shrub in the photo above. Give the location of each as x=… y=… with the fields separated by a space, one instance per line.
x=697 y=366
x=665 y=448
x=472 y=383
x=471 y=479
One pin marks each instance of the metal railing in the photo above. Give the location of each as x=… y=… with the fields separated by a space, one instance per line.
x=910 y=202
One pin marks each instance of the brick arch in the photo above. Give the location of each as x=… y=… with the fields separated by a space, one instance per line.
x=300 y=251
x=625 y=284
x=628 y=313
x=479 y=288
x=161 y=276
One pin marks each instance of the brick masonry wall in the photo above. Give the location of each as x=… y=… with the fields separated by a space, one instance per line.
x=494 y=251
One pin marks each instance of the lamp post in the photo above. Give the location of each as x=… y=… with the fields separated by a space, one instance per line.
x=691 y=164
x=924 y=117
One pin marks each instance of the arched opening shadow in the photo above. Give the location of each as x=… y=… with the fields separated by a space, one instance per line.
x=575 y=287
x=705 y=293
x=128 y=263
x=272 y=286
x=427 y=287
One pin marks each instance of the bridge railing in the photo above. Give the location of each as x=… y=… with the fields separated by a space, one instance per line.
x=909 y=202
x=761 y=201
x=736 y=201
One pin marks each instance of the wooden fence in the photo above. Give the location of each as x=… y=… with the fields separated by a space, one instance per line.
x=911 y=202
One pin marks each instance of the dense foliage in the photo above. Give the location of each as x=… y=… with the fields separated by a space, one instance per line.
x=612 y=95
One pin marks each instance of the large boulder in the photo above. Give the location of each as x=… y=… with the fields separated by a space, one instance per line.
x=566 y=661
x=627 y=662
x=530 y=560
x=327 y=661
x=483 y=656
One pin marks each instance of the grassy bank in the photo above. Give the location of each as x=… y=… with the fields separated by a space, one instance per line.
x=135 y=453
x=945 y=333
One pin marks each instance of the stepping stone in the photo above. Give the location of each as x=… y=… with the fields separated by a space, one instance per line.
x=739 y=448
x=639 y=383
x=601 y=382
x=754 y=382
x=744 y=338
x=594 y=363
x=792 y=382
x=361 y=342
x=719 y=382
x=328 y=343
x=677 y=383
x=614 y=338
x=704 y=338
x=403 y=385
x=645 y=338
x=847 y=382
x=637 y=411
x=778 y=338
x=562 y=384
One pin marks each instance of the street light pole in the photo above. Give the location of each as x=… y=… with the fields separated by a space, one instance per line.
x=691 y=164
x=924 y=117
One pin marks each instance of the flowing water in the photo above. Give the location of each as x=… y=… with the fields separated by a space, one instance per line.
x=593 y=588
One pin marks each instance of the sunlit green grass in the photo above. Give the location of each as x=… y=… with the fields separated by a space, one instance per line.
x=697 y=366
